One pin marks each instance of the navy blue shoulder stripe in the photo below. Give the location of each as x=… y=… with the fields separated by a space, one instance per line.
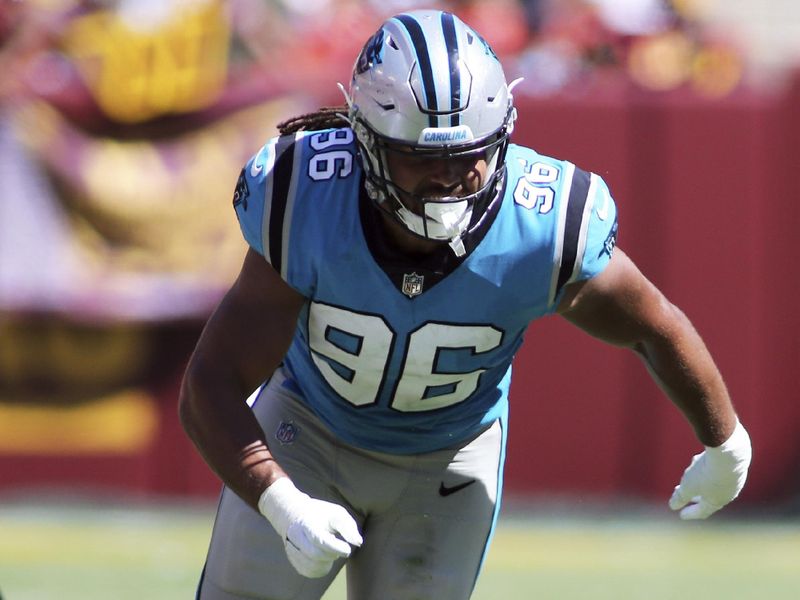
x=284 y=150
x=451 y=42
x=426 y=69
x=578 y=195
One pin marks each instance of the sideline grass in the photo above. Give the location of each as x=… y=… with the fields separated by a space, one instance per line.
x=101 y=551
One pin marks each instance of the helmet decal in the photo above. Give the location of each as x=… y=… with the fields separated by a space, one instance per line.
x=371 y=53
x=487 y=47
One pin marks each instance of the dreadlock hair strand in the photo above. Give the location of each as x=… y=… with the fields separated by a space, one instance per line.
x=326 y=117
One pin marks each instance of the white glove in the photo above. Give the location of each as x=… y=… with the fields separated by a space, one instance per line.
x=714 y=477
x=315 y=533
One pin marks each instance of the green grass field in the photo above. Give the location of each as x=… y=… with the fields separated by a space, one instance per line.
x=80 y=550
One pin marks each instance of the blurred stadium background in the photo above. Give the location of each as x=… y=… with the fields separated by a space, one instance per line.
x=123 y=126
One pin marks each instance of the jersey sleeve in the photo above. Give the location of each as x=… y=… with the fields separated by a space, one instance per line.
x=587 y=232
x=294 y=201
x=601 y=230
x=260 y=198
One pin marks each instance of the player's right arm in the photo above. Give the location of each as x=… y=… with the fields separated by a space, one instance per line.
x=243 y=342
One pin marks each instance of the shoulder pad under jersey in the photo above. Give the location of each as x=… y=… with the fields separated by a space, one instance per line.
x=576 y=203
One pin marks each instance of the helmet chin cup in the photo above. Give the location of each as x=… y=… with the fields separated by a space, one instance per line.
x=444 y=219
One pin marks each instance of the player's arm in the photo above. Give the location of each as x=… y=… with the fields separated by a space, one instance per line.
x=622 y=307
x=243 y=342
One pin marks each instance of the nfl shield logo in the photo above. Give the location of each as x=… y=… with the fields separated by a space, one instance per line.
x=412 y=284
x=286 y=433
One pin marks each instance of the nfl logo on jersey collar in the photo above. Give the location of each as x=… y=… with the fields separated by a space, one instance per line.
x=412 y=284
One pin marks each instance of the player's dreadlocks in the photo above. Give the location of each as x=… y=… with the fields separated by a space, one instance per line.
x=324 y=118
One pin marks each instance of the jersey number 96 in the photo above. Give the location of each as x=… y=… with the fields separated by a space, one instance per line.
x=353 y=352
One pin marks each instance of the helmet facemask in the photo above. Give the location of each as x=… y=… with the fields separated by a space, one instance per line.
x=439 y=216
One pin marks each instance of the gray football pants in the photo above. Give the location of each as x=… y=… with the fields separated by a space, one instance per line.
x=426 y=519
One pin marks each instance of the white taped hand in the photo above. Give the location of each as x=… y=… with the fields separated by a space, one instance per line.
x=714 y=477
x=315 y=533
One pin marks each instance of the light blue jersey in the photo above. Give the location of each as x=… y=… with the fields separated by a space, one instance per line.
x=413 y=370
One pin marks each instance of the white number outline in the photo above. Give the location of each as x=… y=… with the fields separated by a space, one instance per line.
x=323 y=349
x=465 y=383
x=324 y=139
x=322 y=166
x=323 y=317
x=533 y=187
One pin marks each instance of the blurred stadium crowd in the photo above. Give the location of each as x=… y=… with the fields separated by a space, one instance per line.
x=124 y=122
x=123 y=126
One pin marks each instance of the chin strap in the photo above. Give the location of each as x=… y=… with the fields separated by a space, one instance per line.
x=457 y=246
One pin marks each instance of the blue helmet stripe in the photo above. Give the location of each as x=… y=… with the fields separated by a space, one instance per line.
x=451 y=42
x=421 y=48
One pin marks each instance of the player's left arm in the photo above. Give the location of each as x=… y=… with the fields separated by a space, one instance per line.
x=622 y=307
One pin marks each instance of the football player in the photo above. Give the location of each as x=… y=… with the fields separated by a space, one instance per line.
x=399 y=249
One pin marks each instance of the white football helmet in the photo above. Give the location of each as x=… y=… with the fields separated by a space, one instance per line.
x=427 y=83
